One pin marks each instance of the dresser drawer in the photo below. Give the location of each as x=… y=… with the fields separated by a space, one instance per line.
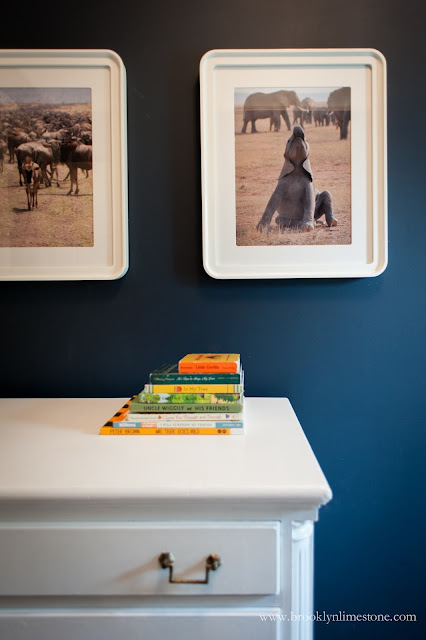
x=140 y=625
x=123 y=559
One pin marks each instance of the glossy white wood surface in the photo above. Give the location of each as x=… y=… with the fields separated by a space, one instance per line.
x=50 y=448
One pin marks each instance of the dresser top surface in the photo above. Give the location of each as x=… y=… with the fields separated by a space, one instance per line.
x=51 y=449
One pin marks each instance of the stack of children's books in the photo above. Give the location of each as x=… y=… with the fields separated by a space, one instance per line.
x=203 y=394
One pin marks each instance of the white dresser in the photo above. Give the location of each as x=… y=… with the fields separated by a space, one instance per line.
x=85 y=520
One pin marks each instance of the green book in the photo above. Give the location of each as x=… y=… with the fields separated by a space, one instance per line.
x=188 y=398
x=148 y=407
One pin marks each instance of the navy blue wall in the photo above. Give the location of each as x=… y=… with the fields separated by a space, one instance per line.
x=348 y=353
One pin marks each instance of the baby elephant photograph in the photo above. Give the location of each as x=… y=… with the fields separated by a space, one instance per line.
x=298 y=203
x=308 y=200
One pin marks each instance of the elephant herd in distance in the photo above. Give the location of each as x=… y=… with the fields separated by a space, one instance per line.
x=275 y=105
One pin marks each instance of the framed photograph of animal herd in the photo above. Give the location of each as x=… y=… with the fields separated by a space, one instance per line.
x=63 y=166
x=294 y=173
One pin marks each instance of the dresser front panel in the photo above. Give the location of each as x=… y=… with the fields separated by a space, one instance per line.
x=122 y=559
x=193 y=624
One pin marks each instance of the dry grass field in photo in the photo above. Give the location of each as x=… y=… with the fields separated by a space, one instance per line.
x=258 y=162
x=60 y=220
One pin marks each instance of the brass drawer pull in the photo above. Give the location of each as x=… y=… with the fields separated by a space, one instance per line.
x=166 y=561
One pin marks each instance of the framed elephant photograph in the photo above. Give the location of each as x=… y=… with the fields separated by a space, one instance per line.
x=63 y=193
x=294 y=176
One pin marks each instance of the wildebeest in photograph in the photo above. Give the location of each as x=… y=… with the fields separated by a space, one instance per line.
x=293 y=178
x=46 y=183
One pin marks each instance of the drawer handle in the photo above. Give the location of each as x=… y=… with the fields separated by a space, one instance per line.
x=166 y=561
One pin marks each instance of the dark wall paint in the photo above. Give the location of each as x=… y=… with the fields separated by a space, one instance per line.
x=348 y=353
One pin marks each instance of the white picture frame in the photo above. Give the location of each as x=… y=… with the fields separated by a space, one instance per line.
x=101 y=253
x=224 y=73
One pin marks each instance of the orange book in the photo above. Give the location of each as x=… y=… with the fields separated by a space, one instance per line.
x=210 y=362
x=168 y=431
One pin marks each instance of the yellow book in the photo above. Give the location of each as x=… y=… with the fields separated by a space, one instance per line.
x=193 y=388
x=210 y=362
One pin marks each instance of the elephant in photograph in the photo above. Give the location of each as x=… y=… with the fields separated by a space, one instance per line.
x=322 y=116
x=318 y=115
x=266 y=105
x=298 y=116
x=274 y=122
x=339 y=101
x=308 y=106
x=298 y=203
